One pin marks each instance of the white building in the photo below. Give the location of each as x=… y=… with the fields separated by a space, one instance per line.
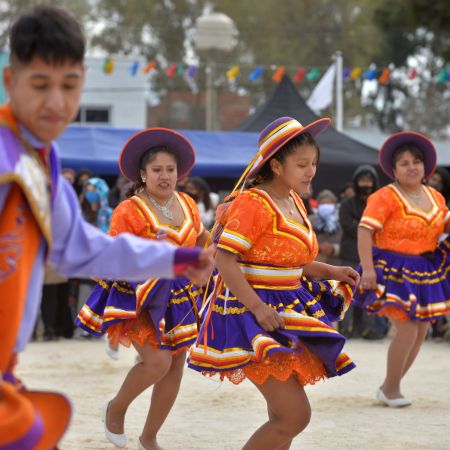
x=117 y=99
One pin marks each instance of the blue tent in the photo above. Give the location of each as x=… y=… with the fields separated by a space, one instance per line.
x=219 y=154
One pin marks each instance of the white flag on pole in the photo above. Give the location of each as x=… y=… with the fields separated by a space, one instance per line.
x=322 y=95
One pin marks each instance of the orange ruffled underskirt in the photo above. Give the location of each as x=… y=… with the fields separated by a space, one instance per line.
x=137 y=331
x=305 y=366
x=393 y=312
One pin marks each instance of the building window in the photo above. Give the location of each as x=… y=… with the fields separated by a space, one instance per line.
x=94 y=115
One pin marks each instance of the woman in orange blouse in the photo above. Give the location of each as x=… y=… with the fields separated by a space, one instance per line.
x=404 y=268
x=158 y=317
x=268 y=320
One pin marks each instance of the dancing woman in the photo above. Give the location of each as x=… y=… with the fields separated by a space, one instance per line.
x=268 y=319
x=158 y=317
x=404 y=268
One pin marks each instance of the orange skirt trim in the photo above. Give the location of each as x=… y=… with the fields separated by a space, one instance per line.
x=307 y=367
x=393 y=312
x=137 y=331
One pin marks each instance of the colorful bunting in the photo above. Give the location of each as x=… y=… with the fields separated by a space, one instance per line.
x=108 y=65
x=299 y=75
x=279 y=74
x=233 y=72
x=149 y=67
x=256 y=74
x=180 y=69
x=313 y=74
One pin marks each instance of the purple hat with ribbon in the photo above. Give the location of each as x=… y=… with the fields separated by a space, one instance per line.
x=405 y=138
x=137 y=145
x=278 y=133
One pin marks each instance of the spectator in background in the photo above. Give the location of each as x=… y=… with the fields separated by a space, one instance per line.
x=207 y=201
x=118 y=192
x=357 y=323
x=95 y=204
x=69 y=174
x=326 y=225
x=346 y=191
x=440 y=180
x=81 y=179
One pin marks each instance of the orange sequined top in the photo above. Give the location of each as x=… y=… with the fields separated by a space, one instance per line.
x=400 y=227
x=271 y=247
x=136 y=216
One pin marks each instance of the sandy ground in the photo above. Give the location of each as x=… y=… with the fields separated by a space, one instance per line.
x=213 y=415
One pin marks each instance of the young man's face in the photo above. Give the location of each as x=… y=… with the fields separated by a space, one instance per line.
x=44 y=97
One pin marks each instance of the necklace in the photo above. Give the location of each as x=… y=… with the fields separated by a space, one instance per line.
x=415 y=197
x=165 y=209
x=290 y=208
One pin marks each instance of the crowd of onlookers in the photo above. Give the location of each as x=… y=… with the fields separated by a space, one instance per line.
x=334 y=218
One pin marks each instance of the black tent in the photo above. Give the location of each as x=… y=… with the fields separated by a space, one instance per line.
x=340 y=154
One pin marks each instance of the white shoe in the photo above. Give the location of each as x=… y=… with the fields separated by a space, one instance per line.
x=392 y=402
x=112 y=353
x=119 y=440
x=140 y=446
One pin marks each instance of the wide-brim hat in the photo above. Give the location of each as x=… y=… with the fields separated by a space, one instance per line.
x=32 y=419
x=405 y=138
x=278 y=133
x=137 y=145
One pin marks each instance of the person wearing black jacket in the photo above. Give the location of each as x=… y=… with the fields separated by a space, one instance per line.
x=356 y=322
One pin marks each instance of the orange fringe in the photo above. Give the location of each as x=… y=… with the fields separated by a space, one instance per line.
x=393 y=312
x=138 y=331
x=305 y=366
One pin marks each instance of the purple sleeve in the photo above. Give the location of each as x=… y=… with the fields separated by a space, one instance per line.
x=81 y=250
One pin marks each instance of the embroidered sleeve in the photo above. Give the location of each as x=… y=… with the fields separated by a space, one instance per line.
x=378 y=209
x=127 y=219
x=245 y=221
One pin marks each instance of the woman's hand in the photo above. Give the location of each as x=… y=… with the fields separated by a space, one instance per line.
x=268 y=318
x=346 y=274
x=369 y=279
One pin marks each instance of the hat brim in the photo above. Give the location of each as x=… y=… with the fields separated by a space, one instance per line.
x=138 y=144
x=55 y=411
x=314 y=128
x=407 y=138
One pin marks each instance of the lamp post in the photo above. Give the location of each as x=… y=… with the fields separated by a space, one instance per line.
x=215 y=31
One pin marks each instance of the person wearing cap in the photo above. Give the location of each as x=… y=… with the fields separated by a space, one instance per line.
x=269 y=318
x=158 y=317
x=40 y=218
x=404 y=267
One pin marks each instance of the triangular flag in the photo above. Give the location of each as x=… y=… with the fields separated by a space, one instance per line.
x=133 y=69
x=442 y=76
x=256 y=74
x=191 y=71
x=180 y=69
x=356 y=73
x=279 y=74
x=149 y=67
x=370 y=74
x=412 y=74
x=299 y=75
x=313 y=74
x=346 y=74
x=171 y=70
x=108 y=66
x=233 y=72
x=385 y=76
x=322 y=95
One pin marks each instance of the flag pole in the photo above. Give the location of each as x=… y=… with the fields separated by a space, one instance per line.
x=339 y=92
